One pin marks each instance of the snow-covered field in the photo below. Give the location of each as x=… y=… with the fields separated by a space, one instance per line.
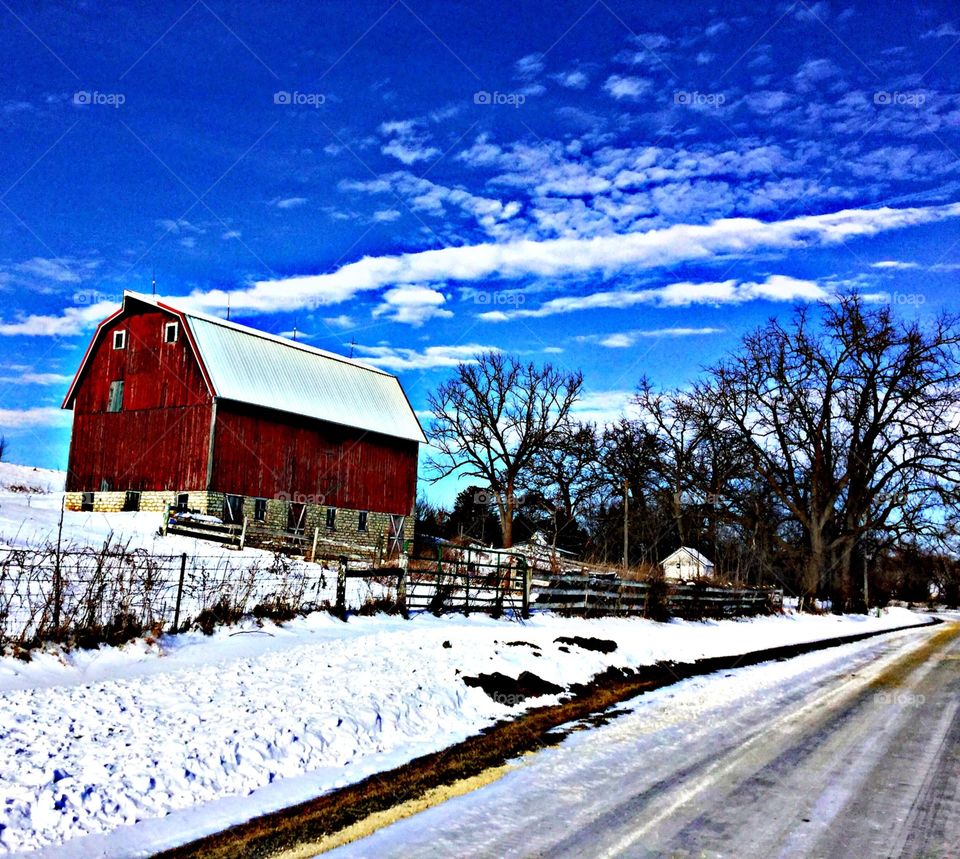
x=123 y=751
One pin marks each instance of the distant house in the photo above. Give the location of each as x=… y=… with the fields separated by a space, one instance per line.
x=173 y=407
x=687 y=563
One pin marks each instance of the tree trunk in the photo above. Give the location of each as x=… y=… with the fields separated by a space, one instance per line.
x=506 y=525
x=815 y=565
x=842 y=594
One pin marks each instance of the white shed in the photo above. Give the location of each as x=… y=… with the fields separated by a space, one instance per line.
x=687 y=563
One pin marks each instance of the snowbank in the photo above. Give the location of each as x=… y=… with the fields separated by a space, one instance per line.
x=152 y=744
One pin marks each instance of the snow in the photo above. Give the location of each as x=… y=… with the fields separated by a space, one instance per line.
x=710 y=766
x=25 y=479
x=124 y=751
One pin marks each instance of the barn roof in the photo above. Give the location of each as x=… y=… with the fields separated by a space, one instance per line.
x=253 y=367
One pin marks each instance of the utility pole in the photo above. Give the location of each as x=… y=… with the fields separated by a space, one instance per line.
x=866 y=592
x=626 y=525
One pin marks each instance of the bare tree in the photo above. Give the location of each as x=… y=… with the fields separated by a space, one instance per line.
x=493 y=418
x=852 y=426
x=567 y=472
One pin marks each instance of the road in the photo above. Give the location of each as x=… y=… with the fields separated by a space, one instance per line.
x=851 y=752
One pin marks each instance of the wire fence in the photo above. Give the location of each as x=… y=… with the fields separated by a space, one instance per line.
x=85 y=595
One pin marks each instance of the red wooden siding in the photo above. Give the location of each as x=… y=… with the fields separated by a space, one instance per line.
x=160 y=438
x=270 y=454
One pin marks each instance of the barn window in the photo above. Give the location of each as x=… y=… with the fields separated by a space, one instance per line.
x=332 y=518
x=362 y=521
x=119 y=339
x=170 y=332
x=131 y=501
x=86 y=502
x=115 y=401
x=259 y=509
x=183 y=502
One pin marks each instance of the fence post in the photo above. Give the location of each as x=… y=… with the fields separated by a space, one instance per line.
x=176 y=611
x=527 y=579
x=402 y=585
x=313 y=551
x=342 y=588
x=166 y=520
x=498 y=599
x=243 y=533
x=58 y=574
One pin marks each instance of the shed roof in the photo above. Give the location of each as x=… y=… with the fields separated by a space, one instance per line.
x=253 y=367
x=693 y=553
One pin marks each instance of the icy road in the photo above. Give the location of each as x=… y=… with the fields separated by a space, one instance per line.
x=851 y=752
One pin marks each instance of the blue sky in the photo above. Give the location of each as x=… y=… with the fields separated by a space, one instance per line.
x=624 y=188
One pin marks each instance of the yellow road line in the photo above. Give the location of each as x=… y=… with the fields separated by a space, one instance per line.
x=381 y=819
x=897 y=673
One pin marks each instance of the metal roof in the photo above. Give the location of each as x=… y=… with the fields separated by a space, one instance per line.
x=260 y=369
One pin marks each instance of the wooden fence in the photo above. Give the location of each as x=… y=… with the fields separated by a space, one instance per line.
x=494 y=582
x=609 y=595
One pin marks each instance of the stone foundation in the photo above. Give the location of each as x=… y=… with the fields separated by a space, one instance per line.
x=346 y=527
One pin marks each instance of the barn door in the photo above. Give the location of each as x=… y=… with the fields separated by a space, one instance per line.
x=296 y=518
x=395 y=537
x=232 y=509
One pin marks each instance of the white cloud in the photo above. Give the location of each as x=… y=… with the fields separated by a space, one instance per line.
x=288 y=202
x=231 y=234
x=181 y=225
x=554 y=258
x=894 y=264
x=409 y=152
x=385 y=216
x=41 y=416
x=604 y=407
x=73 y=320
x=943 y=31
x=391 y=358
x=412 y=304
x=682 y=294
x=528 y=67
x=572 y=79
x=813 y=73
x=768 y=101
x=407 y=143
x=341 y=321
x=626 y=339
x=31 y=378
x=57 y=270
x=422 y=195
x=617 y=341
x=622 y=86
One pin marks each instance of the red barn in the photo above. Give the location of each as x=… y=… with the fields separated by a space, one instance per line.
x=176 y=407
